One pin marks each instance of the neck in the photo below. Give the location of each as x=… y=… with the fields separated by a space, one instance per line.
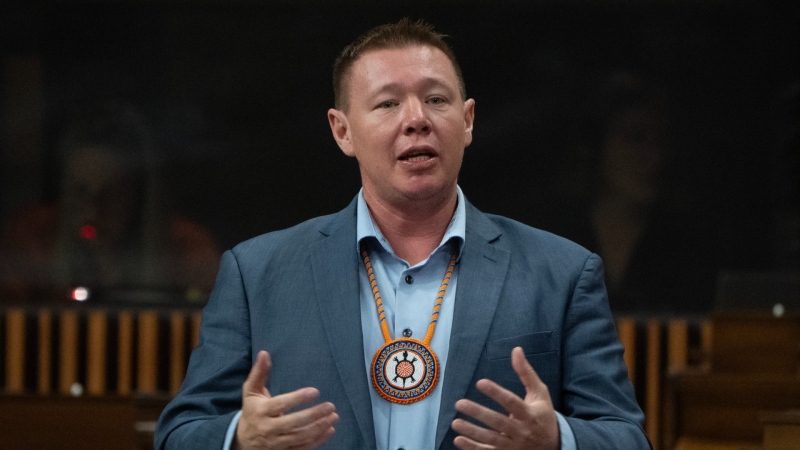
x=415 y=230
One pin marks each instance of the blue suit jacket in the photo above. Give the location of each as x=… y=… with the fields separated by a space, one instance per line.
x=295 y=294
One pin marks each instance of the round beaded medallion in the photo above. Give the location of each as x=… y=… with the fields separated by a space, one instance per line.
x=405 y=371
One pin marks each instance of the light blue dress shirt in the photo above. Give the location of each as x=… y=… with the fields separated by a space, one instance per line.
x=408 y=296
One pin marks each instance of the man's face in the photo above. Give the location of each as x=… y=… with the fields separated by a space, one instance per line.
x=406 y=124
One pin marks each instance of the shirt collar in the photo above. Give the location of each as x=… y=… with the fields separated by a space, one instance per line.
x=366 y=228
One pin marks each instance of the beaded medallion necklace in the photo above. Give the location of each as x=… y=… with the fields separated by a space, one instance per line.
x=405 y=370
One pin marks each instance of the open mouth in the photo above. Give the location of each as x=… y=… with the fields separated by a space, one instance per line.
x=417 y=155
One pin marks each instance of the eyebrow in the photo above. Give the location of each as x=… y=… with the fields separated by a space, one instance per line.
x=426 y=83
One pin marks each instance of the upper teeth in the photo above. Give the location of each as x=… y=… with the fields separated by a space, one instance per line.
x=418 y=157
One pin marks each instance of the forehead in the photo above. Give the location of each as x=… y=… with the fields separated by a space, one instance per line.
x=405 y=64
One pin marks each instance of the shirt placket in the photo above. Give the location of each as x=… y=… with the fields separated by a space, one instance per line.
x=415 y=291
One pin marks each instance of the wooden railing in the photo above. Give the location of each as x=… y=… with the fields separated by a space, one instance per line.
x=102 y=352
x=96 y=352
x=658 y=346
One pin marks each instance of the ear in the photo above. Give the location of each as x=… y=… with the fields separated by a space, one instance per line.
x=469 y=120
x=340 y=127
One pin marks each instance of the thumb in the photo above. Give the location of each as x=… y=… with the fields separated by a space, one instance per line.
x=256 y=381
x=530 y=379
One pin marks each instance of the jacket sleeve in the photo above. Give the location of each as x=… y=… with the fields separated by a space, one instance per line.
x=199 y=415
x=597 y=398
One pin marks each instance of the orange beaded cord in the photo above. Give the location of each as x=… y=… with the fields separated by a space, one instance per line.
x=437 y=306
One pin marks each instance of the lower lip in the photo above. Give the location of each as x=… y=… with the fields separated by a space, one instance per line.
x=419 y=164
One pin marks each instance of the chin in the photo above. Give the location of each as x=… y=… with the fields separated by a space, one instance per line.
x=422 y=193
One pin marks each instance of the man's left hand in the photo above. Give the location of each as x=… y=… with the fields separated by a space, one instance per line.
x=531 y=422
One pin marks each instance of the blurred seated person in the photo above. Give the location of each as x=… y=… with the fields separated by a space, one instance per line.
x=658 y=257
x=109 y=230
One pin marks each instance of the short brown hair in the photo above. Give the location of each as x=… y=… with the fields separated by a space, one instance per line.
x=402 y=34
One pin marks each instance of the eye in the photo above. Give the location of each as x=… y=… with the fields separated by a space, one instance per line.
x=387 y=104
x=437 y=100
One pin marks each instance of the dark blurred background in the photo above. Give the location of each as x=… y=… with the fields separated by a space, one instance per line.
x=209 y=120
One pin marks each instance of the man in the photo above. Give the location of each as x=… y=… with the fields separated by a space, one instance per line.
x=372 y=346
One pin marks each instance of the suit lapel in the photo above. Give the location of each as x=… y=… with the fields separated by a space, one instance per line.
x=336 y=284
x=482 y=273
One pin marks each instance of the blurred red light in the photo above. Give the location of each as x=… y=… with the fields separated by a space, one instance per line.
x=89 y=232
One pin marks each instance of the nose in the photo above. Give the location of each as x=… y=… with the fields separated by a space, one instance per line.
x=415 y=118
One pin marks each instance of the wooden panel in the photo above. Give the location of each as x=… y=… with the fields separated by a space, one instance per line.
x=66 y=423
x=706 y=341
x=653 y=394
x=627 y=335
x=15 y=351
x=177 y=360
x=96 y=337
x=125 y=353
x=781 y=437
x=706 y=444
x=781 y=430
x=147 y=360
x=677 y=344
x=68 y=351
x=724 y=407
x=770 y=346
x=44 y=375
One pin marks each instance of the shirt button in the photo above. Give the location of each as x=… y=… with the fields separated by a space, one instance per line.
x=407 y=332
x=409 y=280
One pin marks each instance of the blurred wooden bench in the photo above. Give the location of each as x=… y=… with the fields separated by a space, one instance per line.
x=90 y=378
x=753 y=370
x=97 y=351
x=781 y=429
x=106 y=363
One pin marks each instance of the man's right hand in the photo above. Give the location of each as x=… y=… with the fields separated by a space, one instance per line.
x=264 y=423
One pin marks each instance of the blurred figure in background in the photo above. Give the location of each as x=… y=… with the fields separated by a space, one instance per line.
x=658 y=257
x=109 y=229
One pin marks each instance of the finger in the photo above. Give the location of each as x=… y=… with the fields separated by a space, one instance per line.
x=305 y=417
x=530 y=379
x=465 y=443
x=510 y=401
x=479 y=434
x=321 y=439
x=278 y=404
x=313 y=434
x=256 y=381
x=263 y=420
x=492 y=418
